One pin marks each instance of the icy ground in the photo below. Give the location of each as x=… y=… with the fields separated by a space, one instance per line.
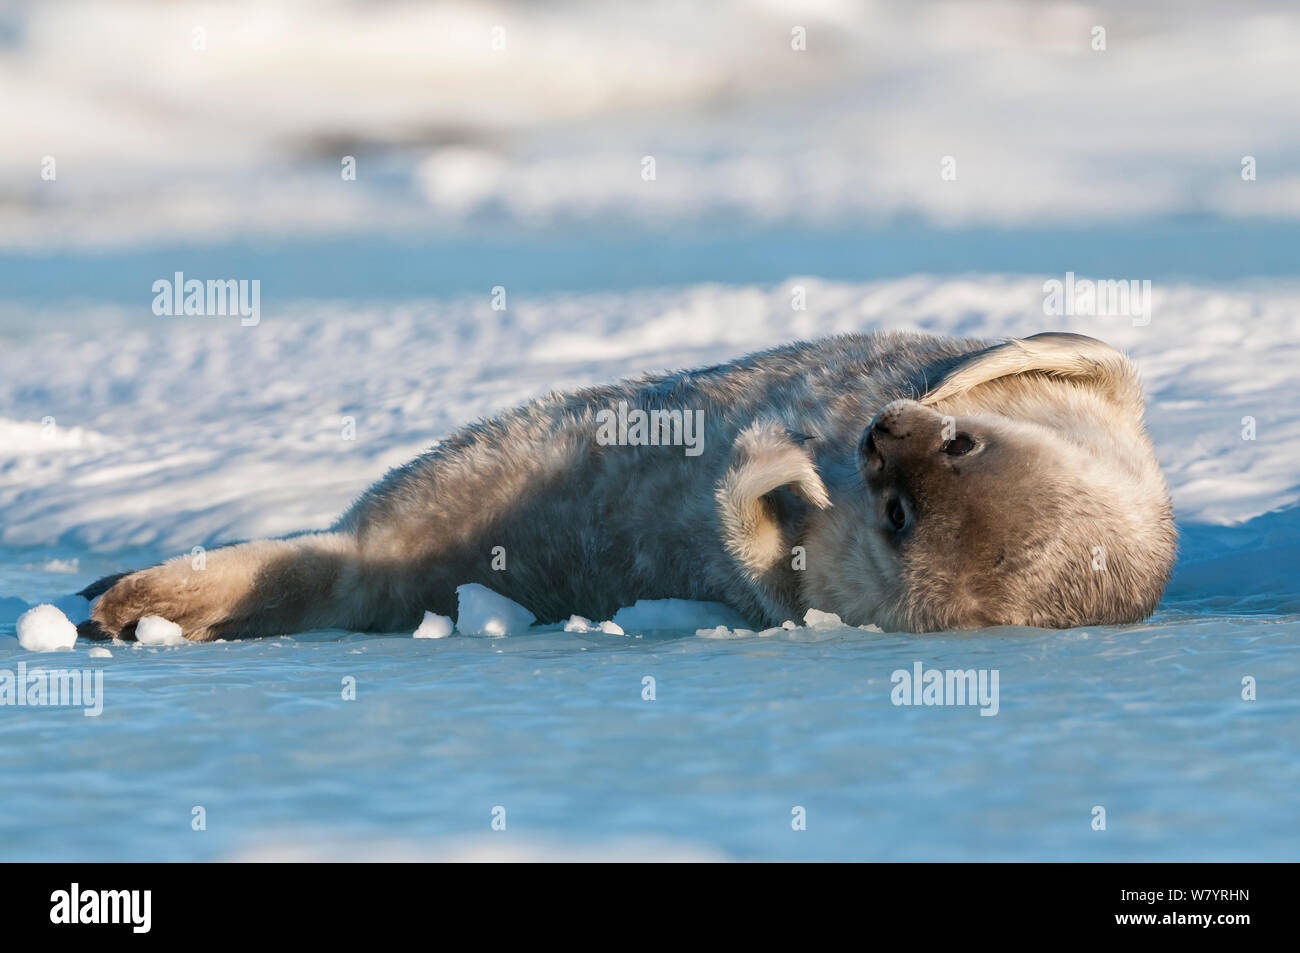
x=126 y=437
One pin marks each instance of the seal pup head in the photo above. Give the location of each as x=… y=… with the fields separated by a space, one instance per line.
x=1021 y=490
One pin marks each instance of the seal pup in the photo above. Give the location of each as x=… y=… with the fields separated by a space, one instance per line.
x=915 y=482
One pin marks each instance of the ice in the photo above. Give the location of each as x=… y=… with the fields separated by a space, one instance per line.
x=45 y=629
x=155 y=630
x=434 y=626
x=677 y=614
x=480 y=611
x=98 y=651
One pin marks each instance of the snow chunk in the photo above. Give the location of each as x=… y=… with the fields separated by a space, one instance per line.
x=155 y=630
x=434 y=627
x=719 y=632
x=816 y=619
x=45 y=629
x=579 y=623
x=100 y=652
x=722 y=632
x=480 y=611
x=677 y=614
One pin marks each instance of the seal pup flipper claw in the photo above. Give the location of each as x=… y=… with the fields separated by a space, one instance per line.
x=267 y=587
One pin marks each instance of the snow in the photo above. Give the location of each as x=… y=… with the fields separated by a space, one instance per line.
x=480 y=611
x=98 y=651
x=722 y=632
x=45 y=629
x=580 y=624
x=552 y=127
x=155 y=630
x=434 y=626
x=815 y=617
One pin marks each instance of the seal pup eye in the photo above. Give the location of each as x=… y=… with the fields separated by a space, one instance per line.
x=895 y=513
x=958 y=445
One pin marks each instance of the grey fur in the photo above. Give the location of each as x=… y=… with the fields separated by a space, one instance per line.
x=588 y=528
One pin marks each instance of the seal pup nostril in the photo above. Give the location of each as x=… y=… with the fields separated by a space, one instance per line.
x=869 y=451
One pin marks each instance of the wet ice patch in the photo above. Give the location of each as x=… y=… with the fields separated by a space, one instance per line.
x=155 y=630
x=45 y=629
x=677 y=614
x=480 y=611
x=434 y=626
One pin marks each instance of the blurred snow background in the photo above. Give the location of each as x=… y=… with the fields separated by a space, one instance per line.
x=201 y=120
